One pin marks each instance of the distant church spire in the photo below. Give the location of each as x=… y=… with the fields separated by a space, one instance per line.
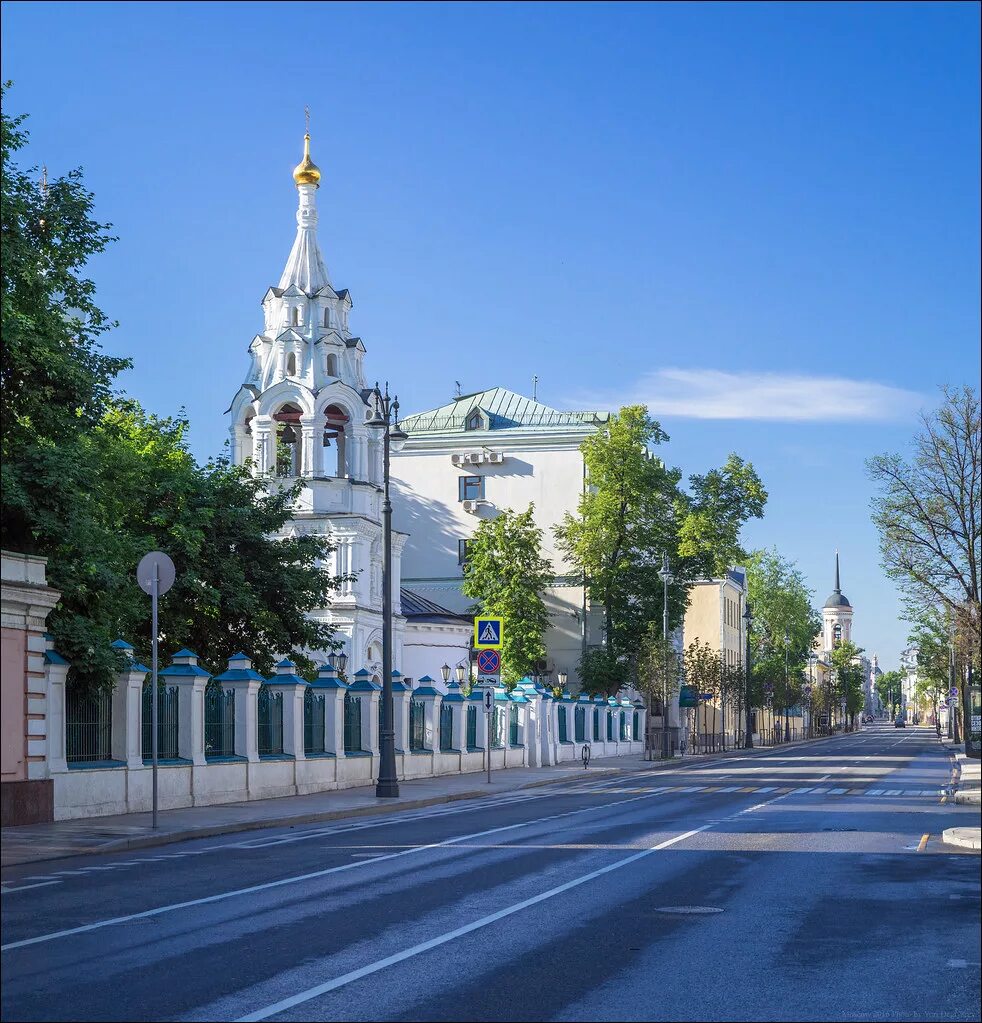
x=838 y=588
x=305 y=267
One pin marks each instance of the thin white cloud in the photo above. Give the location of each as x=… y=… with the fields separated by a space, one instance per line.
x=715 y=394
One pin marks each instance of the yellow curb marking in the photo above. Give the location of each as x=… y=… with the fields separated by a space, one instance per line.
x=923 y=843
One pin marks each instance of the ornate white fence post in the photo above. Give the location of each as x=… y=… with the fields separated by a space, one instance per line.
x=244 y=682
x=293 y=688
x=127 y=714
x=190 y=680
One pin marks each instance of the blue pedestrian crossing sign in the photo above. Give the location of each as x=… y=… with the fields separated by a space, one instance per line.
x=487 y=633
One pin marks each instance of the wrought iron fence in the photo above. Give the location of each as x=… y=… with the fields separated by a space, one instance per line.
x=596 y=724
x=610 y=727
x=622 y=727
x=513 y=737
x=472 y=727
x=352 y=723
x=446 y=727
x=88 y=727
x=167 y=697
x=579 y=724
x=269 y=722
x=219 y=721
x=563 y=731
x=636 y=726
x=417 y=725
x=314 y=705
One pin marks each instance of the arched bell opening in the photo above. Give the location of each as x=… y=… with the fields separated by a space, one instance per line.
x=289 y=441
x=335 y=441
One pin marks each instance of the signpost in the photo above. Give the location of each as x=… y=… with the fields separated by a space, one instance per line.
x=488 y=711
x=488 y=633
x=155 y=574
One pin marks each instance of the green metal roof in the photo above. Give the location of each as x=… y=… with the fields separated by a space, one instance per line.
x=503 y=410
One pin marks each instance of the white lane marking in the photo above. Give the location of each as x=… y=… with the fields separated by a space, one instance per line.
x=24 y=887
x=459 y=932
x=730 y=788
x=874 y=792
x=442 y=939
x=313 y=875
x=837 y=792
x=769 y=788
x=799 y=792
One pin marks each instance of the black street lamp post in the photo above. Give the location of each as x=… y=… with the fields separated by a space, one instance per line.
x=385 y=417
x=665 y=574
x=787 y=683
x=748 y=739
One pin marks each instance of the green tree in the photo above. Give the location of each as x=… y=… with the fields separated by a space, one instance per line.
x=929 y=512
x=889 y=688
x=632 y=514
x=241 y=583
x=660 y=669
x=848 y=677
x=506 y=574
x=719 y=505
x=784 y=628
x=703 y=670
x=626 y=521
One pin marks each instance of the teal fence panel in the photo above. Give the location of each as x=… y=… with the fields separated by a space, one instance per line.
x=579 y=723
x=472 y=727
x=446 y=728
x=513 y=736
x=417 y=725
x=219 y=721
x=269 y=722
x=314 y=707
x=88 y=727
x=352 y=723
x=563 y=730
x=167 y=703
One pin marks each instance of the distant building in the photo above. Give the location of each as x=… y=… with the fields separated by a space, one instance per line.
x=715 y=617
x=470 y=459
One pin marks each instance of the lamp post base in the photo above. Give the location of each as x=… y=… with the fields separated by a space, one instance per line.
x=386 y=789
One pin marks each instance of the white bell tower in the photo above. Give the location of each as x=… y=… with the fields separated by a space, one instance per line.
x=836 y=615
x=300 y=414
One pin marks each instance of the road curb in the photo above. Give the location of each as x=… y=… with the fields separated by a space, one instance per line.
x=316 y=817
x=965 y=838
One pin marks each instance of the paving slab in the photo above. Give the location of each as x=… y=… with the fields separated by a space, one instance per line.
x=966 y=838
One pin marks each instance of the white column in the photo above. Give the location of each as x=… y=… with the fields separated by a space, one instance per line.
x=55 y=674
x=293 y=696
x=334 y=729
x=127 y=719
x=246 y=717
x=190 y=716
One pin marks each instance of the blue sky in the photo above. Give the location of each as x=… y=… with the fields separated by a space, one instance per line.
x=763 y=220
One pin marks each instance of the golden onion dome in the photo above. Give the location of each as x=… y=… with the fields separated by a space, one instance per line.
x=307 y=172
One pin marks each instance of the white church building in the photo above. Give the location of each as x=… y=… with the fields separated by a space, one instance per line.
x=301 y=413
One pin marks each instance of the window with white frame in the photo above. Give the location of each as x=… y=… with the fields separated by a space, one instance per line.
x=470 y=488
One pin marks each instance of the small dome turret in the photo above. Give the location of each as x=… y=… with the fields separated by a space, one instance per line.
x=307 y=172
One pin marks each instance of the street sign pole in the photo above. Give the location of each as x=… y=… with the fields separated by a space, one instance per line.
x=489 y=712
x=153 y=686
x=155 y=574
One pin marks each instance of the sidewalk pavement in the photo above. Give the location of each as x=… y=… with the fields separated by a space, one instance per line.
x=33 y=843
x=966 y=775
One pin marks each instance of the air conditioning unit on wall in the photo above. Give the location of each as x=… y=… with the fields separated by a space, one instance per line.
x=472 y=506
x=457 y=459
x=474 y=458
x=495 y=457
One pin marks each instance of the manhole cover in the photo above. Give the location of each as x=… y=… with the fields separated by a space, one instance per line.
x=689 y=910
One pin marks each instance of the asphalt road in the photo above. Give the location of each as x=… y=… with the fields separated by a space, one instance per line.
x=803 y=884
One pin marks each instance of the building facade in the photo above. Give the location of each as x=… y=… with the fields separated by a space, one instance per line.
x=715 y=617
x=468 y=460
x=301 y=414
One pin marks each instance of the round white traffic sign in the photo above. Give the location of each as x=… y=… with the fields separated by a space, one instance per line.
x=159 y=564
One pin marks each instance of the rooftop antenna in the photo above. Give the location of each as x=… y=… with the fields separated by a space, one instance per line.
x=457 y=382
x=535 y=387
